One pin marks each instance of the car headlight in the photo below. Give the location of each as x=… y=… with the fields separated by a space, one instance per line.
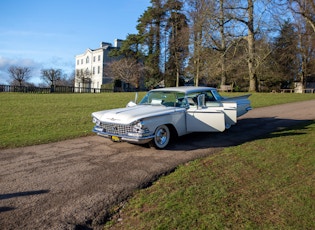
x=139 y=129
x=96 y=121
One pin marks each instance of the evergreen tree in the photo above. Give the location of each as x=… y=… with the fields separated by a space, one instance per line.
x=149 y=28
x=286 y=54
x=178 y=41
x=130 y=48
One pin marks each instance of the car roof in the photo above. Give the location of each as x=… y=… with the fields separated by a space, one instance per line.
x=184 y=89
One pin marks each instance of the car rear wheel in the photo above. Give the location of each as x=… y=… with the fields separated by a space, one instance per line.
x=162 y=137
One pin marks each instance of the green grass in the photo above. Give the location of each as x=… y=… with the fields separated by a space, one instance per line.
x=263 y=184
x=28 y=119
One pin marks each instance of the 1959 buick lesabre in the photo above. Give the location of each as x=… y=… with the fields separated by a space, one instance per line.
x=167 y=112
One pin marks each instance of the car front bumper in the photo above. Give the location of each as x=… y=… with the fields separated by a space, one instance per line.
x=127 y=138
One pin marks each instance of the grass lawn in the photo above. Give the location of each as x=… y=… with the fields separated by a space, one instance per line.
x=263 y=184
x=28 y=119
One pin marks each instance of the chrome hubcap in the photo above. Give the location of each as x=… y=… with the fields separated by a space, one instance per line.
x=161 y=136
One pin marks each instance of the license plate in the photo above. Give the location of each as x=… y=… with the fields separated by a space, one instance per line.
x=115 y=138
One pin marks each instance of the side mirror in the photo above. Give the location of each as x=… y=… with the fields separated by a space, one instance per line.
x=133 y=103
x=201 y=101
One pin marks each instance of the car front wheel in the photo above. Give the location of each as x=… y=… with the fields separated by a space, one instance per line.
x=162 y=137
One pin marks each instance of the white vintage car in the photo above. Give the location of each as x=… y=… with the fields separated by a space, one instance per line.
x=167 y=112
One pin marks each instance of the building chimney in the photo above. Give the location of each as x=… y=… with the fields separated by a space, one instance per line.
x=118 y=43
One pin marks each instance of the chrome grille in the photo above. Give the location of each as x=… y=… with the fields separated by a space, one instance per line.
x=116 y=129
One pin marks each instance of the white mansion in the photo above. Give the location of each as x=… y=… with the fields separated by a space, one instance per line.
x=89 y=67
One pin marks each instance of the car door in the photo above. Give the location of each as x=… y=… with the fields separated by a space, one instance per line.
x=230 y=110
x=203 y=118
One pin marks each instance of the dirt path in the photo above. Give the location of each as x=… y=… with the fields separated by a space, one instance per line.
x=71 y=184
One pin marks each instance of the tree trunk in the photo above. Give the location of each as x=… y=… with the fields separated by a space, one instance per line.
x=223 y=45
x=197 y=47
x=197 y=71
x=251 y=48
x=177 y=77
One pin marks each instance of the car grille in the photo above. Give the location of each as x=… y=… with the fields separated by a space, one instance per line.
x=116 y=129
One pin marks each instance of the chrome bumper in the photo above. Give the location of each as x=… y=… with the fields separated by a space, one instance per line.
x=137 y=140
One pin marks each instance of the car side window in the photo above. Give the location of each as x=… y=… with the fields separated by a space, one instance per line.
x=192 y=99
x=210 y=100
x=209 y=97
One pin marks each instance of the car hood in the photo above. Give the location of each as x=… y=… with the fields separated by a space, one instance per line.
x=130 y=114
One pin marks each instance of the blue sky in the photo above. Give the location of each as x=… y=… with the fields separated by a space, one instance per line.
x=49 y=33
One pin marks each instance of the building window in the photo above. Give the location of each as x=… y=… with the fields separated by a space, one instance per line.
x=78 y=62
x=98 y=69
x=99 y=57
x=87 y=59
x=94 y=59
x=81 y=61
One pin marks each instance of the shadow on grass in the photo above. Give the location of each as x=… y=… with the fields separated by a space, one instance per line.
x=245 y=130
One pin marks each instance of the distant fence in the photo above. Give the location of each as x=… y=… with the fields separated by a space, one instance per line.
x=307 y=90
x=56 y=89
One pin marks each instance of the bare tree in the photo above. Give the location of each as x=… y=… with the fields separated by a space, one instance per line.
x=244 y=13
x=51 y=76
x=223 y=42
x=83 y=77
x=251 y=16
x=305 y=8
x=19 y=74
x=251 y=47
x=218 y=28
x=199 y=11
x=222 y=36
x=306 y=47
x=127 y=70
x=68 y=80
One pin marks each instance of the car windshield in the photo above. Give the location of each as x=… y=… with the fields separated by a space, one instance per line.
x=165 y=98
x=217 y=95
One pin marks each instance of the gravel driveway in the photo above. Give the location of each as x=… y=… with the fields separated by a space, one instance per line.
x=72 y=184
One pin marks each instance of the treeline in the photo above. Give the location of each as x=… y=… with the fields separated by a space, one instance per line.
x=52 y=77
x=253 y=45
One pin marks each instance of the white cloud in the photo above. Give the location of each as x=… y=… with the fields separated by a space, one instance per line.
x=5 y=63
x=55 y=62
